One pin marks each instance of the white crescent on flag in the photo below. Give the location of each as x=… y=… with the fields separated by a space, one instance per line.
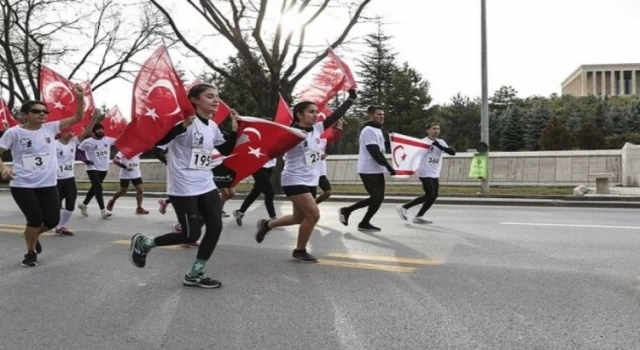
x=169 y=86
x=56 y=84
x=407 y=152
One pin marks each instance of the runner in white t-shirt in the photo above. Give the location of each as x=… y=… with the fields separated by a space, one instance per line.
x=66 y=145
x=372 y=165
x=98 y=152
x=34 y=169
x=130 y=173
x=190 y=185
x=323 y=181
x=428 y=172
x=300 y=176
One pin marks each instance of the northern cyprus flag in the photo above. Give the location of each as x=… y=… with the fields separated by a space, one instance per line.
x=407 y=152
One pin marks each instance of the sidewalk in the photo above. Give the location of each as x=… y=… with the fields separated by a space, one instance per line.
x=619 y=198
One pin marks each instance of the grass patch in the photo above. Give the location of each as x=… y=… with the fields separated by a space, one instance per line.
x=391 y=189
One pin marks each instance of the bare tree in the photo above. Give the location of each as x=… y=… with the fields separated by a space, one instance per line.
x=95 y=37
x=273 y=61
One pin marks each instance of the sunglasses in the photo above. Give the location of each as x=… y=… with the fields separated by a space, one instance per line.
x=39 y=111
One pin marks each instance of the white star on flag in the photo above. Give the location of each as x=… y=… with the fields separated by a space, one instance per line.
x=255 y=152
x=151 y=112
x=58 y=105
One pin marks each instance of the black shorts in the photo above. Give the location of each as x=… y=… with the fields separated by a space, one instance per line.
x=125 y=182
x=299 y=189
x=324 y=183
x=223 y=176
x=40 y=206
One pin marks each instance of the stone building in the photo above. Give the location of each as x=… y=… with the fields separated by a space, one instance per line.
x=604 y=79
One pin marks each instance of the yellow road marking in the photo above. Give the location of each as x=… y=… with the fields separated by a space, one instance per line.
x=386 y=259
x=357 y=265
x=128 y=242
x=12 y=226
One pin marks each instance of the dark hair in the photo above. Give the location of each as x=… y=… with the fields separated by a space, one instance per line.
x=97 y=126
x=300 y=108
x=197 y=89
x=373 y=109
x=432 y=124
x=27 y=105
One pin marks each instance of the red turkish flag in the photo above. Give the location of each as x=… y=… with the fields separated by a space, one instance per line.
x=6 y=119
x=283 y=114
x=334 y=76
x=89 y=108
x=58 y=94
x=159 y=102
x=259 y=141
x=114 y=123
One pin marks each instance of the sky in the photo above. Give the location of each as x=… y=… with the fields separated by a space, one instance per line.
x=532 y=45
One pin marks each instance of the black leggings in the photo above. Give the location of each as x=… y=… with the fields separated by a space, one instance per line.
x=261 y=184
x=68 y=192
x=96 y=177
x=431 y=186
x=192 y=213
x=375 y=186
x=40 y=206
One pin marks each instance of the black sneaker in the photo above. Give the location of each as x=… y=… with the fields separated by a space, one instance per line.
x=263 y=229
x=238 y=215
x=224 y=214
x=344 y=216
x=30 y=260
x=138 y=254
x=201 y=281
x=368 y=228
x=38 y=247
x=304 y=257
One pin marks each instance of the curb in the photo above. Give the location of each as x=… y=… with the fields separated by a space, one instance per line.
x=495 y=200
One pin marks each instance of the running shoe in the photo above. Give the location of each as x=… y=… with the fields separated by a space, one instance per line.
x=304 y=257
x=105 y=213
x=402 y=212
x=224 y=214
x=83 y=209
x=110 y=204
x=141 y=211
x=38 y=247
x=344 y=216
x=138 y=255
x=262 y=231
x=201 y=281
x=30 y=260
x=163 y=206
x=63 y=231
x=367 y=228
x=238 y=215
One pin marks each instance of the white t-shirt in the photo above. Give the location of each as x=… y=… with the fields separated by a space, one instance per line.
x=189 y=167
x=98 y=151
x=431 y=164
x=66 y=158
x=133 y=163
x=322 y=164
x=270 y=164
x=366 y=164
x=300 y=162
x=34 y=155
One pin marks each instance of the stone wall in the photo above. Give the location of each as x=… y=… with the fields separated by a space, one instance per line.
x=564 y=168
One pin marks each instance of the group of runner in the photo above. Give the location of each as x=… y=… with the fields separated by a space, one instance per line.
x=42 y=177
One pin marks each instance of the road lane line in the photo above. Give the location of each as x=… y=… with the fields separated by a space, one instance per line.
x=570 y=225
x=356 y=265
x=386 y=259
x=12 y=226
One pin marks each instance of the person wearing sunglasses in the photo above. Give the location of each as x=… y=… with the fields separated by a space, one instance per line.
x=34 y=169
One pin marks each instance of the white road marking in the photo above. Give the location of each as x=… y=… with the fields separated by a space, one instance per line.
x=570 y=225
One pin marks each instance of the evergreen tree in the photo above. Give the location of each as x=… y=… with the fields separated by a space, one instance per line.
x=555 y=136
x=601 y=118
x=632 y=118
x=513 y=130
x=537 y=120
x=376 y=69
x=589 y=137
x=236 y=96
x=574 y=121
x=406 y=100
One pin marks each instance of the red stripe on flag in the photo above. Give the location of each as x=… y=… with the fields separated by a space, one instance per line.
x=405 y=172
x=409 y=142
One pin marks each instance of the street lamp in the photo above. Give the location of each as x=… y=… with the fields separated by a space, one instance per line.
x=484 y=112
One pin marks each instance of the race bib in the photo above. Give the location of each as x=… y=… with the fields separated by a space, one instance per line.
x=200 y=160
x=311 y=157
x=132 y=165
x=36 y=161
x=433 y=160
x=65 y=169
x=102 y=153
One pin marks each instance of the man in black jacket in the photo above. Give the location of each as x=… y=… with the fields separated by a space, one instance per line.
x=372 y=165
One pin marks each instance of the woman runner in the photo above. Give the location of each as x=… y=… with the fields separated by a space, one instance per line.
x=261 y=184
x=35 y=165
x=300 y=176
x=190 y=185
x=66 y=145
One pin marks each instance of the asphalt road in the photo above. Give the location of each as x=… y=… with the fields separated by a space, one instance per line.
x=478 y=278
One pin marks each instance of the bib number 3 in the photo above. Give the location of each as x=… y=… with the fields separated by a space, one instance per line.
x=35 y=161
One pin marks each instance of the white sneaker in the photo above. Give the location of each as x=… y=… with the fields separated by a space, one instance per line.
x=421 y=220
x=83 y=209
x=105 y=213
x=402 y=212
